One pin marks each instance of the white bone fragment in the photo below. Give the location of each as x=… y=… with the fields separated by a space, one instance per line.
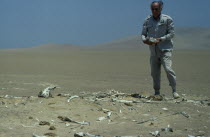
x=165 y=109
x=46 y=92
x=70 y=98
x=70 y=120
x=34 y=135
x=155 y=133
x=127 y=136
x=190 y=136
x=109 y=114
x=101 y=118
x=81 y=134
x=9 y=96
x=67 y=124
x=107 y=117
x=30 y=126
x=63 y=95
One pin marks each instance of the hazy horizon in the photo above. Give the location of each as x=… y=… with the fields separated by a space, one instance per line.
x=27 y=23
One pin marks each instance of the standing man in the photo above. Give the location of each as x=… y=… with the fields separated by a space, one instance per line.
x=157 y=32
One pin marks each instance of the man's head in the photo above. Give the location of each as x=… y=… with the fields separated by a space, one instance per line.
x=156 y=8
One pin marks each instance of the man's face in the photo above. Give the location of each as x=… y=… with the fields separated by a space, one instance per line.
x=155 y=8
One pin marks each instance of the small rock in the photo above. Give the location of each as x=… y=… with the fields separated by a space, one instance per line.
x=156 y=97
x=2 y=103
x=44 y=123
x=135 y=95
x=52 y=128
x=50 y=134
x=128 y=104
x=30 y=117
x=185 y=114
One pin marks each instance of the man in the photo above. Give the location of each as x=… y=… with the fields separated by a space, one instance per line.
x=157 y=32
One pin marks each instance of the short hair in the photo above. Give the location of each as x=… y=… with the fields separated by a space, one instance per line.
x=159 y=2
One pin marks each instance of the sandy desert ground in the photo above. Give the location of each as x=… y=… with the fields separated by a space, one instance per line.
x=25 y=72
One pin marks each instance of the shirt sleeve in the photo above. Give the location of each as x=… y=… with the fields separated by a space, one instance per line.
x=170 y=30
x=144 y=31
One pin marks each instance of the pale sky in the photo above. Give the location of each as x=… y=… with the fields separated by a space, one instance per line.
x=27 y=23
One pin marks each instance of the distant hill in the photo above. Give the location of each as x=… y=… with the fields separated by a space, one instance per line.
x=53 y=46
x=185 y=38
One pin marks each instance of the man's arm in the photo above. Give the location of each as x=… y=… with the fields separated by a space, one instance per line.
x=170 y=30
x=144 y=34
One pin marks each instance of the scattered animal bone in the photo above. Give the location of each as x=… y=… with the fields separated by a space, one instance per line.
x=155 y=133
x=107 y=117
x=46 y=93
x=149 y=120
x=109 y=114
x=30 y=126
x=63 y=95
x=132 y=101
x=50 y=134
x=168 y=129
x=101 y=118
x=165 y=109
x=127 y=136
x=70 y=120
x=122 y=101
x=81 y=134
x=196 y=136
x=70 y=98
x=34 y=135
x=155 y=118
x=9 y=96
x=185 y=114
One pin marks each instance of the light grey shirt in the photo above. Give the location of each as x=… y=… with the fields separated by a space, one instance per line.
x=162 y=28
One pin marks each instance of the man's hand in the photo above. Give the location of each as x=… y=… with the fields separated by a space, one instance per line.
x=149 y=43
x=158 y=40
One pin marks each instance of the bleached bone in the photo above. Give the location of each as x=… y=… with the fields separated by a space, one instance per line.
x=122 y=101
x=107 y=117
x=127 y=136
x=81 y=134
x=46 y=92
x=9 y=96
x=70 y=98
x=70 y=120
x=101 y=118
x=155 y=133
x=31 y=126
x=134 y=101
x=63 y=95
x=156 y=118
x=34 y=135
x=109 y=114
